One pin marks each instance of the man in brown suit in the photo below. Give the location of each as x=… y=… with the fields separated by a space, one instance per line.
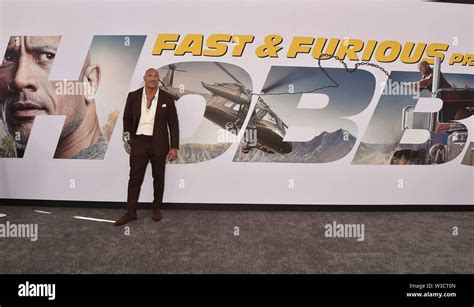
x=149 y=112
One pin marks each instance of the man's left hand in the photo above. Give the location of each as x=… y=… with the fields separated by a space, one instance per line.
x=172 y=154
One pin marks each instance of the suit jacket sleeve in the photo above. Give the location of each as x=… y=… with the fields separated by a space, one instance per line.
x=173 y=124
x=128 y=116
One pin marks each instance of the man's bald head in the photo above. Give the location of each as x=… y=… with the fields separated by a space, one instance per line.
x=151 y=70
x=87 y=63
x=151 y=78
x=424 y=68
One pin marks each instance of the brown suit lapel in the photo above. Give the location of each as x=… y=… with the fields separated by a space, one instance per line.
x=161 y=101
x=138 y=105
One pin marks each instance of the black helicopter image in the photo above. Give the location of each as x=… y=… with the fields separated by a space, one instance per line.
x=228 y=107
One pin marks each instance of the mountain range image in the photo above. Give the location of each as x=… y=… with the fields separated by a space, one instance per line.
x=326 y=147
x=195 y=153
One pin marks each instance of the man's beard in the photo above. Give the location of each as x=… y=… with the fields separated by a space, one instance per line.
x=20 y=131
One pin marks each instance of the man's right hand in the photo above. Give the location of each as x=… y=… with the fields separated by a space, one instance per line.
x=126 y=142
x=127 y=147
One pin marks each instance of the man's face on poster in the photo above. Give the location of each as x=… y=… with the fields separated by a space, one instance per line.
x=424 y=69
x=26 y=92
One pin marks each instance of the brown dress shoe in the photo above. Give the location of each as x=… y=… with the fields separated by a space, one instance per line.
x=156 y=215
x=127 y=217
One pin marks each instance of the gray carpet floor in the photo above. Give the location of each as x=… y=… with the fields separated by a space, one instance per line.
x=195 y=241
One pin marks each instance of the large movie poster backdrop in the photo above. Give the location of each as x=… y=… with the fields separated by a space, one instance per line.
x=288 y=105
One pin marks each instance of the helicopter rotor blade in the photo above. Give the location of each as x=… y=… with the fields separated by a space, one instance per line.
x=228 y=73
x=173 y=69
x=289 y=78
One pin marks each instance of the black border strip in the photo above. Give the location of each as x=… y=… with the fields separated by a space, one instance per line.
x=120 y=287
x=452 y=1
x=236 y=207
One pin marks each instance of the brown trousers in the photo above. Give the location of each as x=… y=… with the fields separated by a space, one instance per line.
x=141 y=153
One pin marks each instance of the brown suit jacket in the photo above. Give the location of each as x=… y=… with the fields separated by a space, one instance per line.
x=165 y=117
